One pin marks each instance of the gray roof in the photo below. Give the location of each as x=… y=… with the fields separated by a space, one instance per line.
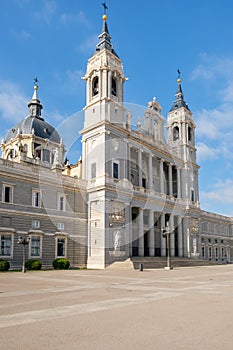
x=105 y=40
x=179 y=101
x=35 y=125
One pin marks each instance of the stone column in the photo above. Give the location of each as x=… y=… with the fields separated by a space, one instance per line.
x=161 y=176
x=172 y=236
x=151 y=234
x=104 y=92
x=140 y=167
x=141 y=233
x=84 y=160
x=163 y=240
x=130 y=233
x=180 y=238
x=183 y=126
x=178 y=183
x=150 y=170
x=89 y=90
x=128 y=162
x=109 y=83
x=170 y=180
x=186 y=235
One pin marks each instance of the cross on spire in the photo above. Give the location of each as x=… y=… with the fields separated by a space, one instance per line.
x=36 y=81
x=178 y=71
x=105 y=7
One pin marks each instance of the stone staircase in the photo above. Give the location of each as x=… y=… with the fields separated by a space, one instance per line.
x=161 y=262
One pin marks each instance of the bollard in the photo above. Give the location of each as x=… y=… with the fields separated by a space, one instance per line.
x=140 y=267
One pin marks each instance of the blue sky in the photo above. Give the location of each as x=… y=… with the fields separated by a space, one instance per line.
x=53 y=39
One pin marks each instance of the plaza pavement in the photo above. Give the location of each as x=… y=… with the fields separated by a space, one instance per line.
x=186 y=308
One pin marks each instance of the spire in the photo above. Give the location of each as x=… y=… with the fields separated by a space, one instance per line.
x=104 y=37
x=34 y=104
x=179 y=101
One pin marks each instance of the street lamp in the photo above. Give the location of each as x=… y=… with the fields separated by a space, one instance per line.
x=24 y=242
x=194 y=234
x=166 y=234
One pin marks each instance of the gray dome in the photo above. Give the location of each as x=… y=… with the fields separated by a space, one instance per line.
x=34 y=125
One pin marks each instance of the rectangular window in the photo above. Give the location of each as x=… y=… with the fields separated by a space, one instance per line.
x=7 y=193
x=93 y=170
x=35 y=246
x=6 y=244
x=61 y=203
x=61 y=245
x=143 y=182
x=203 y=252
x=210 y=252
x=36 y=224
x=115 y=170
x=192 y=196
x=223 y=252
x=36 y=198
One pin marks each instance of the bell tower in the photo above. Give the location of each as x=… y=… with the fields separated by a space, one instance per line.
x=103 y=151
x=104 y=82
x=181 y=127
x=181 y=139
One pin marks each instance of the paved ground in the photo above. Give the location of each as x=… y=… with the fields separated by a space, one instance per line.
x=187 y=308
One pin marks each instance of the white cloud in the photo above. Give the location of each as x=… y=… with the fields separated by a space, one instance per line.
x=22 y=35
x=69 y=81
x=206 y=152
x=47 y=11
x=88 y=44
x=80 y=18
x=206 y=124
x=13 y=104
x=54 y=117
x=212 y=67
x=222 y=192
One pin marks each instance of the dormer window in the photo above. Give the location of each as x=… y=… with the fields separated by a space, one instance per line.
x=95 y=86
x=114 y=87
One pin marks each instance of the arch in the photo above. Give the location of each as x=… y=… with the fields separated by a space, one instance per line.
x=114 y=87
x=190 y=134
x=95 y=86
x=11 y=153
x=176 y=133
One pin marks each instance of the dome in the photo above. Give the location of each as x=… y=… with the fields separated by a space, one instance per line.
x=36 y=126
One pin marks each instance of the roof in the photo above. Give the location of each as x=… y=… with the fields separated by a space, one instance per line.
x=34 y=126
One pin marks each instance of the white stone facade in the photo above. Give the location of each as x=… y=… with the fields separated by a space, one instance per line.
x=130 y=184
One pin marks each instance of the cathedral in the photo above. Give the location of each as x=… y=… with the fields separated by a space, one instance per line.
x=133 y=193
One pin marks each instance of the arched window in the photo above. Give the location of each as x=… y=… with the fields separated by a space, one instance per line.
x=176 y=133
x=190 y=134
x=114 y=87
x=95 y=86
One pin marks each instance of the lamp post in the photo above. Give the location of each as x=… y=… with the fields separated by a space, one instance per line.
x=194 y=234
x=166 y=234
x=24 y=242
